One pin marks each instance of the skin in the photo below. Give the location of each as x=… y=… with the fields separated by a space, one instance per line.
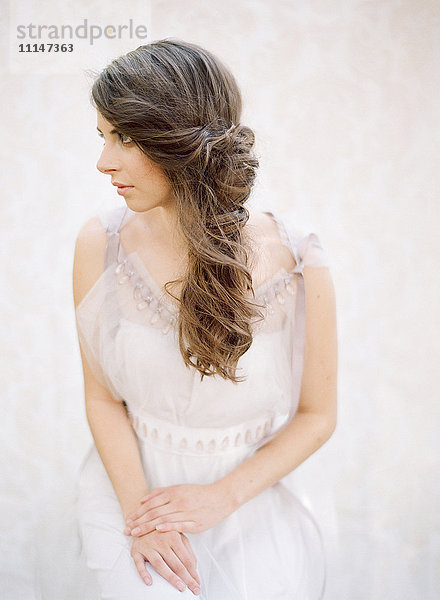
x=189 y=507
x=151 y=196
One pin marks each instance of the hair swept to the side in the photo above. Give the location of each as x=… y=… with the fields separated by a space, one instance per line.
x=181 y=106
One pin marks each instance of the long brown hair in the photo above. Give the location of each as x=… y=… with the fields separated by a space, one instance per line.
x=181 y=106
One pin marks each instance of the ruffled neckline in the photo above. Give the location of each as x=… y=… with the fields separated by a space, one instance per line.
x=130 y=269
x=265 y=292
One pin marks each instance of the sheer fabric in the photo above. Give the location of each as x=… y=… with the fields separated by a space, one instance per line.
x=196 y=432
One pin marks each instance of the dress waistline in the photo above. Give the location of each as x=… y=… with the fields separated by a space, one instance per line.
x=200 y=440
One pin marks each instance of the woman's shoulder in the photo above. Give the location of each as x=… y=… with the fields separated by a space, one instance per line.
x=283 y=235
x=92 y=232
x=261 y=221
x=270 y=248
x=89 y=253
x=273 y=227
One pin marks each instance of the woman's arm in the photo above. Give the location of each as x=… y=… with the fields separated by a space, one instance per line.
x=114 y=437
x=315 y=419
x=195 y=508
x=169 y=553
x=117 y=446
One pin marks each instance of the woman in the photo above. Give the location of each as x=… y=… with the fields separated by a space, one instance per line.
x=205 y=384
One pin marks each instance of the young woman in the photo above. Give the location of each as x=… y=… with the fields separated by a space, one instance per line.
x=209 y=347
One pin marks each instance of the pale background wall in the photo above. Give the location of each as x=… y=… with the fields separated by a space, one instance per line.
x=343 y=97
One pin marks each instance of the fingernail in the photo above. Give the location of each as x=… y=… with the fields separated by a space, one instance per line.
x=135 y=531
x=127 y=531
x=129 y=521
x=196 y=591
x=181 y=586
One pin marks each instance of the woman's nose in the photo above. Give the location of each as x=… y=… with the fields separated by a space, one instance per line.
x=107 y=161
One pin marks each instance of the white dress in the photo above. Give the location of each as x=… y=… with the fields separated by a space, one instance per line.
x=193 y=431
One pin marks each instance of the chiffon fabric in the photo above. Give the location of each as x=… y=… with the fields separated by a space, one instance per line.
x=193 y=431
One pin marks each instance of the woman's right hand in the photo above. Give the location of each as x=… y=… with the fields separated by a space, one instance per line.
x=171 y=555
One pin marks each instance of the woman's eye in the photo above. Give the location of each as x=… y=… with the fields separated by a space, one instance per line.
x=125 y=139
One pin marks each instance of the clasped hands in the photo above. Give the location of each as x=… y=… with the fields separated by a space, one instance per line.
x=191 y=508
x=173 y=510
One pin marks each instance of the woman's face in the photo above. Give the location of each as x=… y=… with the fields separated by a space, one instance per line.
x=145 y=184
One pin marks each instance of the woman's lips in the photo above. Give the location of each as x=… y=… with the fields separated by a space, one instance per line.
x=123 y=189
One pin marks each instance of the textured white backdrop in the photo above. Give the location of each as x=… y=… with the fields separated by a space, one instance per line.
x=343 y=96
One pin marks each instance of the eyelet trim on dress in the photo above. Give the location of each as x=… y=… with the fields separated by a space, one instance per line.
x=179 y=438
x=275 y=290
x=163 y=314
x=144 y=296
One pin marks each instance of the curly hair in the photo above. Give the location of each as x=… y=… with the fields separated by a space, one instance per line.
x=181 y=106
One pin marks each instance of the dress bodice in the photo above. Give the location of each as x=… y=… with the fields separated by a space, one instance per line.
x=126 y=327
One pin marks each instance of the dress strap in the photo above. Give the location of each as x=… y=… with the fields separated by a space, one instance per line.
x=299 y=337
x=288 y=238
x=114 y=223
x=280 y=226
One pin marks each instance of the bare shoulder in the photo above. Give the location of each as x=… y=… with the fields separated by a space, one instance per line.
x=265 y=238
x=88 y=263
x=261 y=224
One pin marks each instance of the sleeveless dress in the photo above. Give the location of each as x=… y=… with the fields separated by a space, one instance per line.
x=193 y=431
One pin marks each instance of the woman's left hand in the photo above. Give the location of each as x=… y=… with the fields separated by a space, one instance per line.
x=186 y=508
